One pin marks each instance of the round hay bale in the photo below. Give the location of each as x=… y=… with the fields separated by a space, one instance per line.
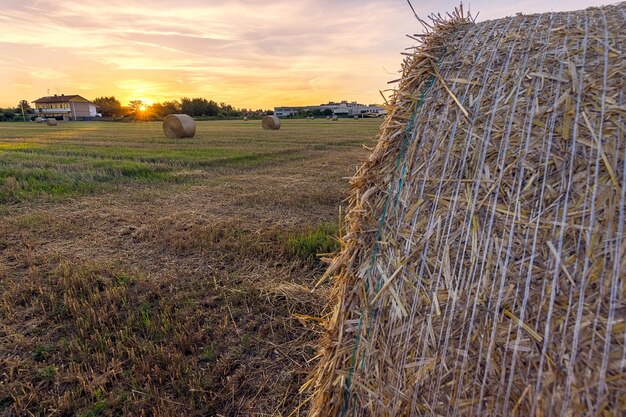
x=327 y=117
x=178 y=126
x=482 y=268
x=270 y=123
x=51 y=121
x=245 y=119
x=335 y=118
x=356 y=117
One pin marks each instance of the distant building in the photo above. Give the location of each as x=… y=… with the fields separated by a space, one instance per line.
x=342 y=108
x=70 y=107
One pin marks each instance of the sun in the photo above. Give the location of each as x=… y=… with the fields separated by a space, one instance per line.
x=142 y=108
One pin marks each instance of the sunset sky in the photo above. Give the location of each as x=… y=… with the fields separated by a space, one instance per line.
x=249 y=53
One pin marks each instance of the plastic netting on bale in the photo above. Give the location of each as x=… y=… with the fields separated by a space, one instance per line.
x=484 y=261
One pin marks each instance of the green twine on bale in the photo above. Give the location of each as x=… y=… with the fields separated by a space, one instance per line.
x=409 y=133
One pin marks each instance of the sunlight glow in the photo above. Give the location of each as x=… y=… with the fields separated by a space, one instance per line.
x=248 y=53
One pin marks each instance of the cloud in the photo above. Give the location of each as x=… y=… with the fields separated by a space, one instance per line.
x=248 y=52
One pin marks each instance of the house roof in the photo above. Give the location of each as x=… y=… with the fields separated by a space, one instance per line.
x=59 y=99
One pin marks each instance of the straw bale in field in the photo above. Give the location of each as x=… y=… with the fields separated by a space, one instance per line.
x=483 y=268
x=270 y=123
x=179 y=126
x=51 y=121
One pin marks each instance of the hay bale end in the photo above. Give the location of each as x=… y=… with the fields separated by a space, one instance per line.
x=179 y=126
x=270 y=123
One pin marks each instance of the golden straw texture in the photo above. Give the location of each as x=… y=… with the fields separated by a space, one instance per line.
x=51 y=121
x=483 y=267
x=178 y=126
x=270 y=123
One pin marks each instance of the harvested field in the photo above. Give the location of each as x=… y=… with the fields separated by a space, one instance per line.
x=146 y=276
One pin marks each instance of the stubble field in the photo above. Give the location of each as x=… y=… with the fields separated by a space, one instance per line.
x=146 y=276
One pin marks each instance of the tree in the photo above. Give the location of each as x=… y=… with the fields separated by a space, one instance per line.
x=229 y=111
x=199 y=107
x=7 y=116
x=135 y=105
x=24 y=105
x=109 y=106
x=23 y=108
x=170 y=107
x=185 y=106
x=156 y=109
x=212 y=109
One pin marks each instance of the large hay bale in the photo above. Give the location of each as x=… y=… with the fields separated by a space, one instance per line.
x=51 y=121
x=483 y=271
x=179 y=126
x=270 y=123
x=335 y=118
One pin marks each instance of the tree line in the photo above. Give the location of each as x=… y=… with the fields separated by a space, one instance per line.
x=195 y=107
x=111 y=107
x=22 y=111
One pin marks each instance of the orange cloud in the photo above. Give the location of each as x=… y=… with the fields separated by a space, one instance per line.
x=249 y=53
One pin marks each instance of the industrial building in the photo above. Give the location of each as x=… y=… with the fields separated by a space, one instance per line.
x=342 y=108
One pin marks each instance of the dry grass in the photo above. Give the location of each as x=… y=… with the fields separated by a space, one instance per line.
x=172 y=297
x=38 y=163
x=484 y=272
